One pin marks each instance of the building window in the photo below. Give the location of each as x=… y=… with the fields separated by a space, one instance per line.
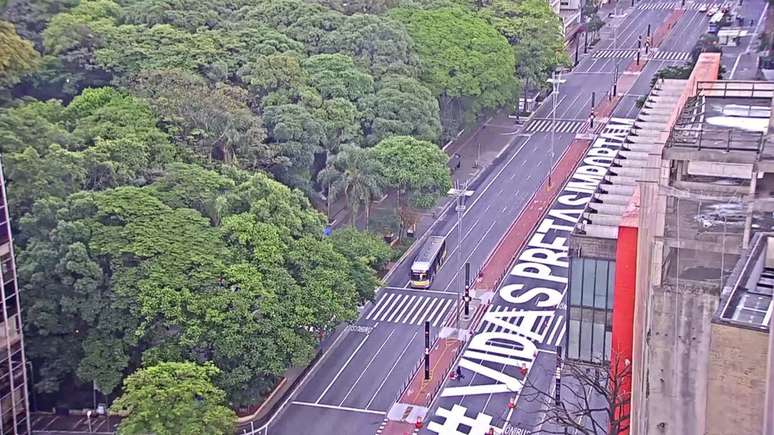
x=590 y=309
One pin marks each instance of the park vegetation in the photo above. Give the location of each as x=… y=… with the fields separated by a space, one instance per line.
x=166 y=162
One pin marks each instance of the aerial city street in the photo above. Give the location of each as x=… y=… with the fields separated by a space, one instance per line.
x=319 y=217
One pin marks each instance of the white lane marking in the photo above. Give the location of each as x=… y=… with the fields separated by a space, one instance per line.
x=420 y=309
x=365 y=337
x=472 y=251
x=340 y=408
x=418 y=290
x=425 y=315
x=383 y=304
x=483 y=191
x=736 y=64
x=757 y=27
x=395 y=364
x=397 y=305
x=367 y=365
x=549 y=337
x=408 y=309
x=438 y=312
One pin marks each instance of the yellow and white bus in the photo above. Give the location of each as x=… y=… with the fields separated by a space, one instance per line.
x=428 y=261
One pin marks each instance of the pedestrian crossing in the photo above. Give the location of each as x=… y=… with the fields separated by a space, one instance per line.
x=671 y=55
x=696 y=6
x=547 y=125
x=614 y=54
x=412 y=309
x=551 y=326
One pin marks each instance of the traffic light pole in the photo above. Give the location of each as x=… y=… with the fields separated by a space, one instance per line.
x=467 y=289
x=427 y=350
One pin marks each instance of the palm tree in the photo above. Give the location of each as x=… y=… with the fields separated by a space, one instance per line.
x=355 y=173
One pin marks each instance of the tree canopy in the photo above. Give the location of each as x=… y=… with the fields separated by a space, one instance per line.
x=162 y=158
x=196 y=266
x=17 y=56
x=174 y=397
x=463 y=59
x=414 y=165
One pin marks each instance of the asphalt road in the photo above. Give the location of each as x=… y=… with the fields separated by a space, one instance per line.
x=475 y=412
x=353 y=386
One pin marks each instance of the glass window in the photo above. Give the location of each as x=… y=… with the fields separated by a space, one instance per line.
x=600 y=288
x=589 y=271
x=598 y=349
x=573 y=346
x=585 y=339
x=576 y=281
x=610 y=284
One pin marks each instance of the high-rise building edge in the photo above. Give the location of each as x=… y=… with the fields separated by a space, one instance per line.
x=14 y=406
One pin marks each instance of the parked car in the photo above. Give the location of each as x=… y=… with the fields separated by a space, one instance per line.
x=703 y=8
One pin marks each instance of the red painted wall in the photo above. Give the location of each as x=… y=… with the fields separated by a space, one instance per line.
x=623 y=295
x=623 y=306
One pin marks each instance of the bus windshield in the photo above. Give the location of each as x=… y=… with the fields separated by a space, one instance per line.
x=418 y=276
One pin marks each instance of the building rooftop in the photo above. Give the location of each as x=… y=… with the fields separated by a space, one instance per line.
x=715 y=181
x=613 y=196
x=746 y=299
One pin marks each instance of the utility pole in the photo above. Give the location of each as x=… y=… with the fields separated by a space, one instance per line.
x=460 y=195
x=467 y=289
x=585 y=41
x=427 y=350
x=577 y=47
x=555 y=81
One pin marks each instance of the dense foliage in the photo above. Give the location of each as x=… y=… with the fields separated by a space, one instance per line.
x=174 y=398
x=162 y=157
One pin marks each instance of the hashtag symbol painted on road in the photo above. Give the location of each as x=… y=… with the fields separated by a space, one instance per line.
x=456 y=417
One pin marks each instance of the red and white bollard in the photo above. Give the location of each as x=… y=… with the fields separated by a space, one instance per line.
x=511 y=403
x=418 y=424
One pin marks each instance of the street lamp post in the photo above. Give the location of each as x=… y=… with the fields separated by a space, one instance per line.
x=460 y=195
x=32 y=386
x=555 y=81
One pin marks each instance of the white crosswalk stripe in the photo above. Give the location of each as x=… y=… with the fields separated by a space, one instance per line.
x=695 y=6
x=540 y=327
x=614 y=54
x=410 y=309
x=658 y=5
x=671 y=55
x=546 y=125
x=555 y=331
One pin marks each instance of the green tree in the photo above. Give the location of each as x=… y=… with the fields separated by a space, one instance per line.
x=366 y=253
x=401 y=106
x=336 y=76
x=174 y=397
x=273 y=73
x=211 y=122
x=299 y=135
x=415 y=166
x=376 y=42
x=98 y=265
x=102 y=139
x=356 y=174
x=32 y=16
x=463 y=59
x=594 y=24
x=535 y=33
x=17 y=56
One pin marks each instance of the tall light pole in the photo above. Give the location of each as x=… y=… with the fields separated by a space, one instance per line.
x=555 y=80
x=460 y=194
